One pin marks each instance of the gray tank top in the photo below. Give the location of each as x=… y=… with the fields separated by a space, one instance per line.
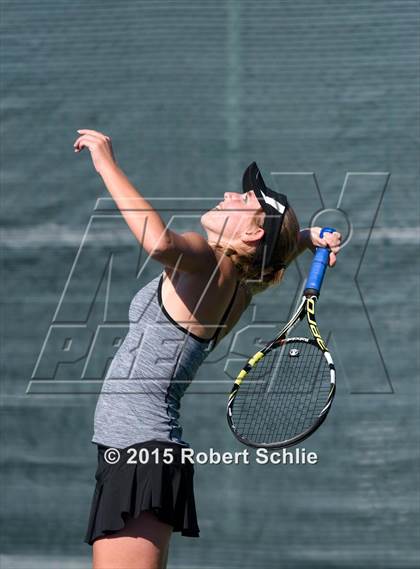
x=141 y=393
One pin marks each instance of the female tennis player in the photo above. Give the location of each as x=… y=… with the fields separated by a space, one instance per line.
x=144 y=494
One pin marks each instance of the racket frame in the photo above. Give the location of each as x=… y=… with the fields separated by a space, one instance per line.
x=305 y=308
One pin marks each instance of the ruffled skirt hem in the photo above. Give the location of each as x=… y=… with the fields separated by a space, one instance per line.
x=124 y=490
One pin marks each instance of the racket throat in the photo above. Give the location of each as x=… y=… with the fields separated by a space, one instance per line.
x=313 y=326
x=309 y=292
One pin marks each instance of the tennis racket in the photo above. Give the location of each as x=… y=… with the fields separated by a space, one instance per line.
x=285 y=391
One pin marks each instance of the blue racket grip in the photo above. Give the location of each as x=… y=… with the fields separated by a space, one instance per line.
x=318 y=267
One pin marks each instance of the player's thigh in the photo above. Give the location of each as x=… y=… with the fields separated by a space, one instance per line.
x=141 y=544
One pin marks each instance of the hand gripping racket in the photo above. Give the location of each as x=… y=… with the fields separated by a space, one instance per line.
x=284 y=392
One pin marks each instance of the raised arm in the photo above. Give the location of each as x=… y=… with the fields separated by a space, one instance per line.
x=188 y=251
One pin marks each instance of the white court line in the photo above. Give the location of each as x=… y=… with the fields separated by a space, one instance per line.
x=52 y=235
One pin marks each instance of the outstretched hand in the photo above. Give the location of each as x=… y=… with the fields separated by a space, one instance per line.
x=100 y=148
x=331 y=240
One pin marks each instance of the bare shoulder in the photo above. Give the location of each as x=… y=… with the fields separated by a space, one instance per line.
x=218 y=274
x=196 y=238
x=189 y=252
x=202 y=298
x=193 y=243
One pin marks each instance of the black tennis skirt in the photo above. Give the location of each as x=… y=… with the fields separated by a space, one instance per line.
x=149 y=483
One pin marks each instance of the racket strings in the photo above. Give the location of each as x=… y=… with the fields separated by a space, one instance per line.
x=283 y=394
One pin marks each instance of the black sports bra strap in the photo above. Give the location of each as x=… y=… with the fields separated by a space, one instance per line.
x=225 y=315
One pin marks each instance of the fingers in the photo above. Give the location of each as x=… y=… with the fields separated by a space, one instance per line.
x=89 y=140
x=85 y=140
x=333 y=241
x=332 y=259
x=330 y=240
x=91 y=136
x=94 y=133
x=334 y=248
